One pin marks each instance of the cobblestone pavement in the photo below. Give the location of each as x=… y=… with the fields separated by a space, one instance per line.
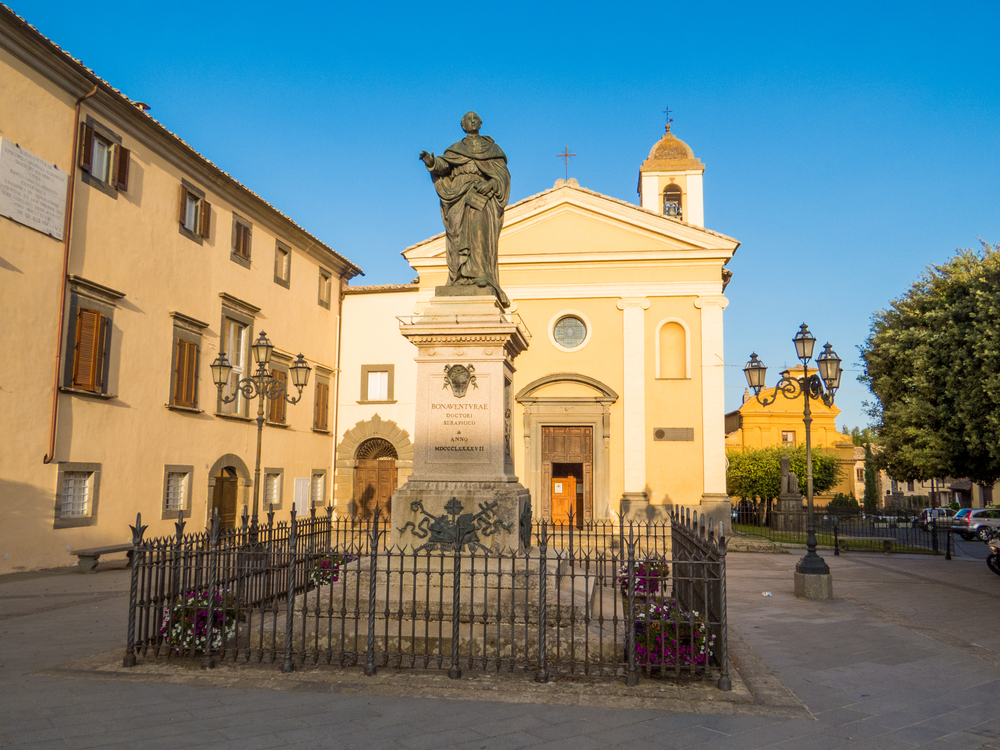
x=907 y=656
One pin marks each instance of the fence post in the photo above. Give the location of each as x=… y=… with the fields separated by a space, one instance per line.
x=631 y=672
x=836 y=542
x=370 y=668
x=934 y=536
x=213 y=572
x=133 y=594
x=947 y=544
x=725 y=683
x=293 y=537
x=455 y=672
x=543 y=569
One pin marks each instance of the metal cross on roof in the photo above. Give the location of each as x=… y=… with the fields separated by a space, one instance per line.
x=669 y=118
x=565 y=155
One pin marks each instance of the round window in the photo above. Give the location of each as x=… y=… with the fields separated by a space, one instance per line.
x=570 y=332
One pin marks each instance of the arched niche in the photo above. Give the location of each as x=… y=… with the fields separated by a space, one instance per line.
x=243 y=477
x=673 y=350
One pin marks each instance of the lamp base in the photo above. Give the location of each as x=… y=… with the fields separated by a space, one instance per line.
x=814 y=586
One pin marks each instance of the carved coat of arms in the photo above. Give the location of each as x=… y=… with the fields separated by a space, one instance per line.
x=459 y=377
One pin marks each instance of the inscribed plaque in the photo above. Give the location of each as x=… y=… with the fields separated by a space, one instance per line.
x=32 y=191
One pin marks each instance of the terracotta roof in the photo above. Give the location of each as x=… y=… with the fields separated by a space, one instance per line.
x=139 y=113
x=670 y=153
x=374 y=288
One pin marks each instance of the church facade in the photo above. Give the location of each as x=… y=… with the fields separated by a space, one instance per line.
x=618 y=404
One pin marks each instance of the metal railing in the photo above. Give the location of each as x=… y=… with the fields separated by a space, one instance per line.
x=842 y=528
x=604 y=599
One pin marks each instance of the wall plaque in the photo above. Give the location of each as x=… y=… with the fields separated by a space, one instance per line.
x=32 y=191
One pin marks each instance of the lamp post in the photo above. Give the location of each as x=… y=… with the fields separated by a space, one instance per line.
x=820 y=387
x=263 y=386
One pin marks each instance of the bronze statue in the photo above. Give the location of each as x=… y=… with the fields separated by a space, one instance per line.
x=473 y=183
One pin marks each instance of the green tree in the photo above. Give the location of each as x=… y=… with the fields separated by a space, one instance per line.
x=932 y=361
x=871 y=480
x=842 y=500
x=757 y=473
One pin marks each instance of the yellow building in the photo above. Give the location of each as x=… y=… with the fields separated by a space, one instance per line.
x=127 y=263
x=755 y=426
x=619 y=396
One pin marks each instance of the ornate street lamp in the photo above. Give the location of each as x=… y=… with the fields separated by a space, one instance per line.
x=820 y=387
x=262 y=386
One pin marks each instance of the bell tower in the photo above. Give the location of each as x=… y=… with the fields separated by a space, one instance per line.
x=670 y=181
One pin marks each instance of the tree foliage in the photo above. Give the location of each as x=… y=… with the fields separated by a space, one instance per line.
x=871 y=480
x=932 y=361
x=844 y=500
x=757 y=473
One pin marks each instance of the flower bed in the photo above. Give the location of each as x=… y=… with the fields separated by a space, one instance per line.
x=650 y=576
x=327 y=568
x=666 y=634
x=186 y=624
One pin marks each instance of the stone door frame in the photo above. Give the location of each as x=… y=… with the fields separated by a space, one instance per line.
x=347 y=462
x=558 y=411
x=244 y=487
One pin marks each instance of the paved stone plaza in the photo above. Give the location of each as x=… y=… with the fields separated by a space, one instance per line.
x=907 y=655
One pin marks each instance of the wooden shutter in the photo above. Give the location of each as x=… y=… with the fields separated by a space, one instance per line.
x=86 y=147
x=206 y=218
x=277 y=411
x=91 y=341
x=241 y=240
x=122 y=158
x=186 y=374
x=322 y=406
x=182 y=214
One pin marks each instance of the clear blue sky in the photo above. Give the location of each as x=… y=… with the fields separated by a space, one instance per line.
x=847 y=145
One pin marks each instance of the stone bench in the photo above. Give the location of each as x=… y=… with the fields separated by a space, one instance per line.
x=886 y=541
x=89 y=557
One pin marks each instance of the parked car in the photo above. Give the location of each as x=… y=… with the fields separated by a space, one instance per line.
x=976 y=522
x=940 y=517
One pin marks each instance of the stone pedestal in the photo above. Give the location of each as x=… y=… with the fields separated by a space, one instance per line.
x=466 y=346
x=791 y=515
x=814 y=585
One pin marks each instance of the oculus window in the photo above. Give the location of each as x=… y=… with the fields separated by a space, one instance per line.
x=570 y=332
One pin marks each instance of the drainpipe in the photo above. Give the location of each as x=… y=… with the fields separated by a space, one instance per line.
x=336 y=389
x=71 y=189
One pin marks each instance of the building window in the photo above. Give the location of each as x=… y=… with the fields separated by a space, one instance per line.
x=788 y=437
x=317 y=493
x=234 y=345
x=89 y=334
x=377 y=383
x=184 y=364
x=860 y=472
x=194 y=213
x=241 y=241
x=282 y=265
x=321 y=405
x=325 y=288
x=569 y=330
x=176 y=491
x=102 y=158
x=909 y=486
x=273 y=479
x=276 y=406
x=78 y=486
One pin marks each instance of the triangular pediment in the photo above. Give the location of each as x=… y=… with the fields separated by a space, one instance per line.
x=571 y=223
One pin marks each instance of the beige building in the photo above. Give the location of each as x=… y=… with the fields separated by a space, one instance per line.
x=619 y=395
x=128 y=262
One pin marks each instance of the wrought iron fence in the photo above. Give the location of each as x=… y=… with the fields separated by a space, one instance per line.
x=840 y=529
x=600 y=600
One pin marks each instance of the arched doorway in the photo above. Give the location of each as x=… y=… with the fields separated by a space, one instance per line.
x=375 y=477
x=224 y=496
x=229 y=486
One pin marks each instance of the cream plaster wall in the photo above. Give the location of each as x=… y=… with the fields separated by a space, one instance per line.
x=131 y=242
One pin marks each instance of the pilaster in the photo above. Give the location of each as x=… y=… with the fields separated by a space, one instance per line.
x=634 y=380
